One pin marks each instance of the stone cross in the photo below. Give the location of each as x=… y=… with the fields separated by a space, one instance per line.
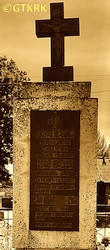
x=57 y=28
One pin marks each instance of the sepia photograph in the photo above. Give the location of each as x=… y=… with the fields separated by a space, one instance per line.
x=55 y=124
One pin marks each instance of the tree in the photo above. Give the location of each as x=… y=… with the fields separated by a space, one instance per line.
x=102 y=148
x=9 y=75
x=9 y=72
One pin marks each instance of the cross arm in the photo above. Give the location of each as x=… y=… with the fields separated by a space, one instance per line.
x=70 y=27
x=43 y=28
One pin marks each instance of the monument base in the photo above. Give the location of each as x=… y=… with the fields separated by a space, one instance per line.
x=60 y=97
x=58 y=73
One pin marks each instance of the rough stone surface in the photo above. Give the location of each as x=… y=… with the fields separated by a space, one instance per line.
x=54 y=96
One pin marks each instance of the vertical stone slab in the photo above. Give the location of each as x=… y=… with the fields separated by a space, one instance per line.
x=54 y=96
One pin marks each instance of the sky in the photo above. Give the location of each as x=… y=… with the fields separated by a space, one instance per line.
x=89 y=53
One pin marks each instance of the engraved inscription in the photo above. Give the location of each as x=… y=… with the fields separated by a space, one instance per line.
x=54 y=164
x=54 y=133
x=54 y=170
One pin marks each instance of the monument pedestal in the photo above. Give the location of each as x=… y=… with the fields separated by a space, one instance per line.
x=55 y=134
x=58 y=72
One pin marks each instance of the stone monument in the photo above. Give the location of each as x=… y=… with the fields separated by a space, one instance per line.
x=55 y=132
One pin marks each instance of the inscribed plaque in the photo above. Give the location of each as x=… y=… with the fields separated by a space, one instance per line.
x=54 y=170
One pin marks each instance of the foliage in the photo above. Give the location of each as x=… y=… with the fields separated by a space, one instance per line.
x=9 y=75
x=102 y=148
x=5 y=177
x=9 y=72
x=5 y=125
x=105 y=241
